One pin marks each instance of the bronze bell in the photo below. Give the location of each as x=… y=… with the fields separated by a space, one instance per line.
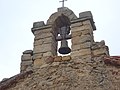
x=64 y=34
x=64 y=49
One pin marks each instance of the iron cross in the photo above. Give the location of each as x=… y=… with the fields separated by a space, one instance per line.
x=63 y=2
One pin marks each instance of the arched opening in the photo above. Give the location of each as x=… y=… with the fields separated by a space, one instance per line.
x=62 y=28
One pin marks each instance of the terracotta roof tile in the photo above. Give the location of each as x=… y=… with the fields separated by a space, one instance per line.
x=112 y=60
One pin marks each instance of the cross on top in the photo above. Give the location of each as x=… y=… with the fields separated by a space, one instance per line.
x=63 y=2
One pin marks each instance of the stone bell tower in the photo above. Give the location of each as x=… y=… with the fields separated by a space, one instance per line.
x=47 y=36
x=83 y=66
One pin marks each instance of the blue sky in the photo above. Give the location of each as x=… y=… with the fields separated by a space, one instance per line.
x=17 y=17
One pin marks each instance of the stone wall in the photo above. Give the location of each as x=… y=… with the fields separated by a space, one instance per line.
x=64 y=73
x=83 y=69
x=26 y=61
x=82 y=38
x=44 y=42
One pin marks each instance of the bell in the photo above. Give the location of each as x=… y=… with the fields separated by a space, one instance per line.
x=64 y=49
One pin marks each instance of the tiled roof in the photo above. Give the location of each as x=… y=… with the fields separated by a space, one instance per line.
x=112 y=60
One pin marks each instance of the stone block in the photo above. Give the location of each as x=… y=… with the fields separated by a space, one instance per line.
x=88 y=15
x=25 y=57
x=28 y=68
x=47 y=54
x=87 y=58
x=78 y=33
x=38 y=24
x=81 y=46
x=48 y=40
x=75 y=40
x=49 y=59
x=80 y=53
x=87 y=31
x=55 y=64
x=75 y=47
x=43 y=30
x=97 y=45
x=84 y=27
x=84 y=52
x=58 y=59
x=78 y=40
x=26 y=63
x=42 y=48
x=66 y=58
x=78 y=24
x=85 y=14
x=37 y=56
x=85 y=45
x=38 y=62
x=28 y=52
x=45 y=41
x=87 y=22
x=74 y=54
x=100 y=51
x=71 y=16
x=43 y=35
x=23 y=67
x=38 y=42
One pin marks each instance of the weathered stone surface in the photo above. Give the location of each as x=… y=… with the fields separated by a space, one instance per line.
x=85 y=14
x=44 y=30
x=65 y=11
x=30 y=62
x=97 y=45
x=84 y=27
x=86 y=31
x=43 y=35
x=81 y=39
x=83 y=69
x=78 y=24
x=81 y=52
x=11 y=82
x=29 y=68
x=85 y=45
x=28 y=52
x=67 y=76
x=75 y=54
x=66 y=58
x=87 y=22
x=58 y=59
x=37 y=56
x=78 y=33
x=44 y=41
x=25 y=57
x=49 y=59
x=23 y=68
x=88 y=15
x=55 y=64
x=48 y=40
x=100 y=51
x=38 y=42
x=81 y=46
x=47 y=54
x=42 y=48
x=38 y=24
x=38 y=62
